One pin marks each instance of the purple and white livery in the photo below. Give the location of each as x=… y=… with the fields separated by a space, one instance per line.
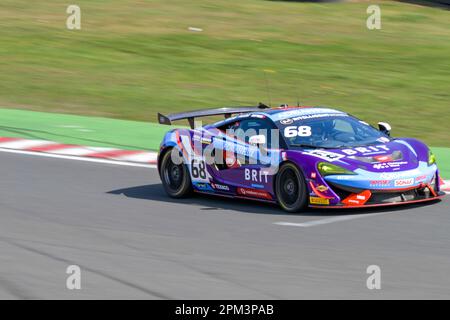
x=296 y=157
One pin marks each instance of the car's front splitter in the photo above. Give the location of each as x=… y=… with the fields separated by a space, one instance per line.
x=375 y=205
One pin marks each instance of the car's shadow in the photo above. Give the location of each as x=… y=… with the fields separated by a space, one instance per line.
x=155 y=192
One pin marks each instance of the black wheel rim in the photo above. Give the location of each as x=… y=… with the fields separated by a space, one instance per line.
x=289 y=190
x=174 y=174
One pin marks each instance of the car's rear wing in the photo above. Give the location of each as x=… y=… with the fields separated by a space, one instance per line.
x=191 y=115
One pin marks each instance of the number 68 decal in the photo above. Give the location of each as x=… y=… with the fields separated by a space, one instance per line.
x=302 y=131
x=198 y=169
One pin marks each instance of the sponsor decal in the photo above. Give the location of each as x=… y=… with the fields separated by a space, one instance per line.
x=317 y=200
x=347 y=177
x=203 y=186
x=287 y=121
x=358 y=199
x=322 y=188
x=256 y=175
x=325 y=155
x=254 y=193
x=380 y=183
x=313 y=175
x=421 y=178
x=387 y=165
x=366 y=150
x=206 y=140
x=203 y=139
x=398 y=175
x=257 y=186
x=404 y=182
x=220 y=187
x=315 y=116
x=258 y=116
x=380 y=166
x=307 y=113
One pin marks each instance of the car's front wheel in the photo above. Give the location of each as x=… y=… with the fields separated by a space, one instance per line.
x=290 y=188
x=175 y=175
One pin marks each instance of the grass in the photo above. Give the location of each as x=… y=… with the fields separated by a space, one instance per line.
x=134 y=58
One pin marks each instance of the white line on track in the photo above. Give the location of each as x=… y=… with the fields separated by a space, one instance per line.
x=103 y=161
x=331 y=220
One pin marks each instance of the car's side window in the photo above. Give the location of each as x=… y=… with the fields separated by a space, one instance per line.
x=254 y=132
x=248 y=128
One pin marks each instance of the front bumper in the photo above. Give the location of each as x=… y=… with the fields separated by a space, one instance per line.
x=374 y=198
x=373 y=190
x=342 y=206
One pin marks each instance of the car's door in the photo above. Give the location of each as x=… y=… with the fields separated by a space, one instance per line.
x=244 y=154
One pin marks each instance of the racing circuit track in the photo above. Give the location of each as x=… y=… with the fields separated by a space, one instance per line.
x=131 y=241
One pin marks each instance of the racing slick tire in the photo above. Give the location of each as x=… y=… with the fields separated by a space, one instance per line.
x=175 y=177
x=290 y=188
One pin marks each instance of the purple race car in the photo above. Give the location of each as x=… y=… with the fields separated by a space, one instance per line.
x=296 y=157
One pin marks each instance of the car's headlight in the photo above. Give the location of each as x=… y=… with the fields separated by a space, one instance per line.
x=431 y=158
x=327 y=169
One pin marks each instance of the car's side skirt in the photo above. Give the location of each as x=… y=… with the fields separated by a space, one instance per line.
x=235 y=197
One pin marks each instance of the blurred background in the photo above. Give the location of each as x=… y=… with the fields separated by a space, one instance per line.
x=132 y=59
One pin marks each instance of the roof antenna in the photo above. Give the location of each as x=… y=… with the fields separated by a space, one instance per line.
x=268 y=87
x=297 y=90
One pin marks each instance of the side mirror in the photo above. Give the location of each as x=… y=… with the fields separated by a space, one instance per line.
x=385 y=128
x=257 y=140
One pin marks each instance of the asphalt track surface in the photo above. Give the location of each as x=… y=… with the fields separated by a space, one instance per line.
x=133 y=242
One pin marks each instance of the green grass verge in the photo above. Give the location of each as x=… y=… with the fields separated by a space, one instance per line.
x=104 y=132
x=134 y=58
x=443 y=158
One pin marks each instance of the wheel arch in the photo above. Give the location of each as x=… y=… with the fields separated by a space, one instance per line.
x=164 y=149
x=297 y=166
x=302 y=172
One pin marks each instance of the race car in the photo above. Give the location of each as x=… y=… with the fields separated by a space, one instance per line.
x=295 y=157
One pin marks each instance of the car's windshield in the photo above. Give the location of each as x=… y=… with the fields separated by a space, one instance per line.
x=337 y=131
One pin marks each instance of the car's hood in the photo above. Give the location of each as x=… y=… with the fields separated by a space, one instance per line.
x=397 y=155
x=399 y=163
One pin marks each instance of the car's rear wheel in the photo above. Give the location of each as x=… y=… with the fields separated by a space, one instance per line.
x=290 y=188
x=175 y=175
